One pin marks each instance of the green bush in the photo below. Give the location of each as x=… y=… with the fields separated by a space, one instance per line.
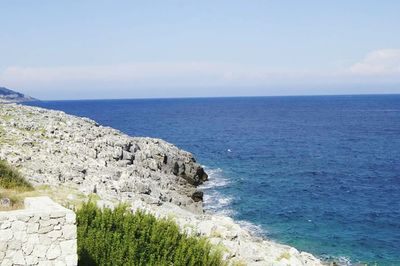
x=118 y=237
x=10 y=178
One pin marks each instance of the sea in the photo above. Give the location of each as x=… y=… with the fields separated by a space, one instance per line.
x=320 y=173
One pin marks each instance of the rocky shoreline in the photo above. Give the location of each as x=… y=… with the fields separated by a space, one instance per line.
x=53 y=148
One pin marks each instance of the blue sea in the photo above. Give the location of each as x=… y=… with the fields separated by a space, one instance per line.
x=321 y=173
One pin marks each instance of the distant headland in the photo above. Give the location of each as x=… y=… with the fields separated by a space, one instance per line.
x=7 y=95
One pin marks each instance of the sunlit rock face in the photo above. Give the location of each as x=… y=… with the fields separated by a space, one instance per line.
x=54 y=148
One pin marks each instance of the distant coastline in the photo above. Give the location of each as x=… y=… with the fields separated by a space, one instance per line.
x=11 y=96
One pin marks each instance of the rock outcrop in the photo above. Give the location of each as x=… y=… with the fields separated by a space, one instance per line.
x=238 y=245
x=60 y=150
x=54 y=148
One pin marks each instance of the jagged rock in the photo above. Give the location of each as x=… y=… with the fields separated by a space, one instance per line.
x=197 y=196
x=52 y=147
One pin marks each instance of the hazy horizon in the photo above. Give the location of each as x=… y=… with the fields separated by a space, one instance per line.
x=216 y=97
x=178 y=49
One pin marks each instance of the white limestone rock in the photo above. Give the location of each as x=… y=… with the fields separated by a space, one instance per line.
x=53 y=252
x=31 y=260
x=6 y=235
x=40 y=250
x=5 y=225
x=68 y=247
x=93 y=158
x=32 y=228
x=69 y=231
x=6 y=262
x=18 y=258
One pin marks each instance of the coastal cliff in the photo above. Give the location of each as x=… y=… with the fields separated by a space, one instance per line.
x=59 y=150
x=7 y=95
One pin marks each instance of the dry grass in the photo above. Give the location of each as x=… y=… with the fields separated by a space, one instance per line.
x=10 y=178
x=68 y=197
x=15 y=187
x=65 y=196
x=12 y=186
x=15 y=198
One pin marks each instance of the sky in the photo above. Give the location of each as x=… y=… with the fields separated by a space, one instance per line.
x=82 y=49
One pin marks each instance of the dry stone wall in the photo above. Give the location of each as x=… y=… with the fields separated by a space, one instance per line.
x=44 y=233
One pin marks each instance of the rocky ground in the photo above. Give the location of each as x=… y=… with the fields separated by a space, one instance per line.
x=60 y=150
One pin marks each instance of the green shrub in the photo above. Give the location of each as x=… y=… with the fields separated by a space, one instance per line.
x=118 y=237
x=10 y=178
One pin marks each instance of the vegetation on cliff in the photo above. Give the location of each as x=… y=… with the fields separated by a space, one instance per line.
x=10 y=178
x=119 y=237
x=12 y=183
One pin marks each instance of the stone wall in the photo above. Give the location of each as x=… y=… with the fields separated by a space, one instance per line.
x=44 y=233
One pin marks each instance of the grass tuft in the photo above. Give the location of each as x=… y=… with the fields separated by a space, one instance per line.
x=12 y=186
x=10 y=178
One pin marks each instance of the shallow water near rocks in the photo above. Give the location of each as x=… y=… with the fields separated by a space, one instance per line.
x=321 y=173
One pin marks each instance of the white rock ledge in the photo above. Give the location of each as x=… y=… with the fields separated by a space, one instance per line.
x=44 y=233
x=239 y=246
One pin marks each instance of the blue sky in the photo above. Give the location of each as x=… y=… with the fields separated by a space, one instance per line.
x=134 y=49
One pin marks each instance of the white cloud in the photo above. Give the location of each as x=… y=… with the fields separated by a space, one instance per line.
x=379 y=62
x=153 y=74
x=153 y=79
x=126 y=72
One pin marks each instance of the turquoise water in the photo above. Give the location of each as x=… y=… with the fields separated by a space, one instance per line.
x=320 y=173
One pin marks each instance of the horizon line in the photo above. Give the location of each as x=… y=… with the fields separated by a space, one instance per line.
x=216 y=97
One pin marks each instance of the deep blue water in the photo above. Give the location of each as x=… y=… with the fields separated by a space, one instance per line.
x=320 y=173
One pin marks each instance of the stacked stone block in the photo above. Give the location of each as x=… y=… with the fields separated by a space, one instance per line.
x=44 y=233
